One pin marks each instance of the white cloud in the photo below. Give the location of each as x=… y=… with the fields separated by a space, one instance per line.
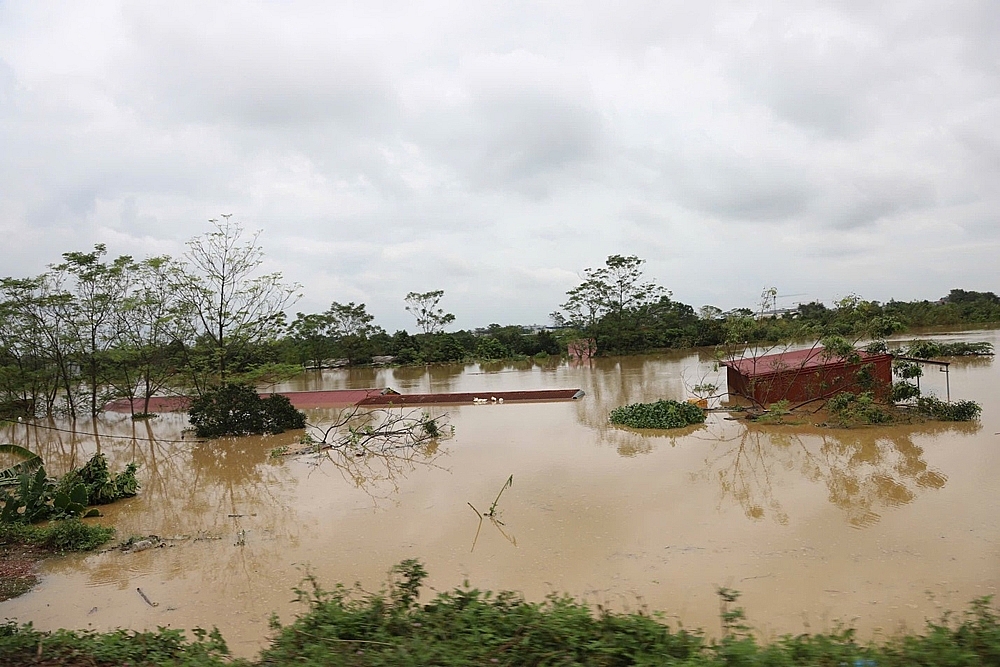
x=496 y=150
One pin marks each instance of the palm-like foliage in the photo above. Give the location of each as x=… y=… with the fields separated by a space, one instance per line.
x=29 y=463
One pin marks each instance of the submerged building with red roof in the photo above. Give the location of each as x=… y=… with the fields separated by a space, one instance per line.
x=804 y=375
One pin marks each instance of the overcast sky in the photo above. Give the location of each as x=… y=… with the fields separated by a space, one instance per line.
x=495 y=150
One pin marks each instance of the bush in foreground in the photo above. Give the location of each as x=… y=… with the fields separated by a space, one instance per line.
x=467 y=626
x=59 y=536
x=661 y=414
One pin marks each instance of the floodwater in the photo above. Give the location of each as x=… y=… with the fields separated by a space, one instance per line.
x=876 y=528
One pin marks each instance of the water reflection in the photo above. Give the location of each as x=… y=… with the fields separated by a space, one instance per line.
x=864 y=470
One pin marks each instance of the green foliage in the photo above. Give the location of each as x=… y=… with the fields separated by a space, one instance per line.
x=235 y=409
x=36 y=497
x=424 y=307
x=23 y=645
x=852 y=409
x=28 y=464
x=467 y=626
x=100 y=485
x=927 y=349
x=430 y=426
x=957 y=411
x=838 y=347
x=623 y=314
x=29 y=501
x=903 y=391
x=489 y=348
x=62 y=535
x=72 y=503
x=661 y=414
x=907 y=369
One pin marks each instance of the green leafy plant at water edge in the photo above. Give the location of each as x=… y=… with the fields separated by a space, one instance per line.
x=468 y=626
x=29 y=501
x=661 y=414
x=63 y=535
x=849 y=409
x=101 y=486
x=235 y=409
x=926 y=349
x=23 y=645
x=29 y=463
x=957 y=411
x=35 y=497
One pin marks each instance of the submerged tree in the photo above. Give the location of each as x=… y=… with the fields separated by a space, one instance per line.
x=97 y=289
x=612 y=300
x=151 y=326
x=424 y=307
x=232 y=308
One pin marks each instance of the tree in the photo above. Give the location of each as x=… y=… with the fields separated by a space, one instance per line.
x=424 y=307
x=352 y=326
x=32 y=358
x=608 y=296
x=232 y=309
x=90 y=316
x=151 y=325
x=350 y=320
x=310 y=339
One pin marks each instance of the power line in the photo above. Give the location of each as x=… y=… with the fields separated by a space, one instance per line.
x=100 y=435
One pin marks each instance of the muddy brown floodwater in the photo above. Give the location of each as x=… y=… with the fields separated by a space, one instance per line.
x=878 y=528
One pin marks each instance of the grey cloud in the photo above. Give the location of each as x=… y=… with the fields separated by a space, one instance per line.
x=519 y=122
x=490 y=150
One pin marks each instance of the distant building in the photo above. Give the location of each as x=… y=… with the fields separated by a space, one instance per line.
x=803 y=375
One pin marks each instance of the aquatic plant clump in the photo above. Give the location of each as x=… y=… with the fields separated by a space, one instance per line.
x=661 y=414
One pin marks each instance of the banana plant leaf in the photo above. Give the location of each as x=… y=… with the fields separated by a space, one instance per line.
x=30 y=463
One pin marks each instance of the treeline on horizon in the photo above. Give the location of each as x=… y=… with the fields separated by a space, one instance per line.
x=91 y=329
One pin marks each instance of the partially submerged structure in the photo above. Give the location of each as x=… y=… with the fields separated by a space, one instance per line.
x=803 y=375
x=337 y=398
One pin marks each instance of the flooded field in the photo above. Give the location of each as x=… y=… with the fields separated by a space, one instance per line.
x=878 y=528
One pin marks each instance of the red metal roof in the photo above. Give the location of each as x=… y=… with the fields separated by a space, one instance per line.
x=794 y=360
x=305 y=400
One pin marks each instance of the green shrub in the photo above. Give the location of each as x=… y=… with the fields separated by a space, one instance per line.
x=74 y=535
x=36 y=498
x=926 y=349
x=235 y=409
x=959 y=411
x=489 y=348
x=903 y=391
x=64 y=535
x=850 y=409
x=467 y=626
x=102 y=487
x=23 y=645
x=661 y=414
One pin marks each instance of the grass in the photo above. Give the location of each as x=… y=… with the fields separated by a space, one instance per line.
x=56 y=536
x=467 y=626
x=23 y=545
